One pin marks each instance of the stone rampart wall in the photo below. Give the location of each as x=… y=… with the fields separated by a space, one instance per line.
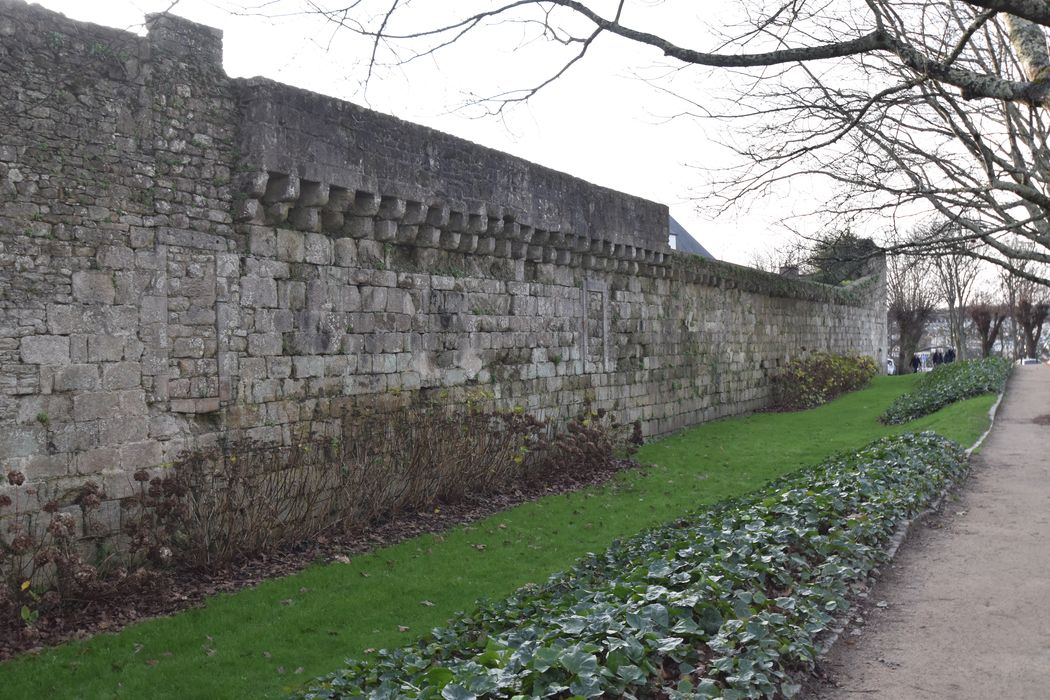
x=185 y=256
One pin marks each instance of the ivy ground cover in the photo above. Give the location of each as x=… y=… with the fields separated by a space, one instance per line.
x=726 y=603
x=268 y=641
x=947 y=384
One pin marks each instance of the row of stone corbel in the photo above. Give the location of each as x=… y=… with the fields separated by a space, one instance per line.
x=276 y=199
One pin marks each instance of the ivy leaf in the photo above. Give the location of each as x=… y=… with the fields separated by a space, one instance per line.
x=455 y=691
x=545 y=658
x=710 y=619
x=631 y=674
x=439 y=676
x=668 y=644
x=573 y=625
x=579 y=663
x=586 y=687
x=660 y=569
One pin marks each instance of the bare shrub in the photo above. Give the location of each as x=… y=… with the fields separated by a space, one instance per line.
x=225 y=504
x=590 y=442
x=219 y=505
x=45 y=563
x=240 y=499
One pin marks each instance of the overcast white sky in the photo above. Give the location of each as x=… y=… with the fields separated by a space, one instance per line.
x=600 y=122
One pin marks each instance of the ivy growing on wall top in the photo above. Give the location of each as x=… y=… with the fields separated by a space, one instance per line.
x=727 y=603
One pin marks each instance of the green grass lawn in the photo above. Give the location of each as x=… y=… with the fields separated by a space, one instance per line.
x=269 y=640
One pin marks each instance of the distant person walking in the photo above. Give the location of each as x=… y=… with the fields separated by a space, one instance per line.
x=949 y=356
x=915 y=363
x=938 y=358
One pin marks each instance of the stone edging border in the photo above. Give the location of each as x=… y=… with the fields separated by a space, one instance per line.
x=991 y=424
x=902 y=531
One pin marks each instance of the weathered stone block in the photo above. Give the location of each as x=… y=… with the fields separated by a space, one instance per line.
x=318 y=249
x=253 y=184
x=141 y=455
x=118 y=431
x=366 y=204
x=263 y=267
x=122 y=375
x=384 y=230
x=82 y=377
x=262 y=241
x=262 y=344
x=305 y=218
x=369 y=252
x=449 y=240
x=332 y=221
x=344 y=297
x=116 y=257
x=96 y=461
x=276 y=214
x=359 y=226
x=281 y=188
x=384 y=363
x=95 y=405
x=45 y=349
x=345 y=252
x=132 y=401
x=187 y=347
x=153 y=309
x=291 y=295
x=249 y=210
x=91 y=287
x=208 y=405
x=392 y=208
x=406 y=235
x=429 y=237
x=227 y=264
x=303 y=367
x=396 y=301
x=291 y=245
x=22 y=440
x=105 y=348
x=259 y=292
x=374 y=299
x=164 y=426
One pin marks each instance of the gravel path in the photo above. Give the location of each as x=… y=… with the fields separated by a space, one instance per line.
x=964 y=610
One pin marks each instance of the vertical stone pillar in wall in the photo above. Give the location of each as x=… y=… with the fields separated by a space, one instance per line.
x=595 y=331
x=194 y=131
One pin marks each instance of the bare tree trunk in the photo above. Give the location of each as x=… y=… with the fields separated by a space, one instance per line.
x=1030 y=317
x=957 y=272
x=987 y=322
x=910 y=301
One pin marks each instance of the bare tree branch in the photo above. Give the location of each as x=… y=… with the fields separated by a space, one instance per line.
x=903 y=108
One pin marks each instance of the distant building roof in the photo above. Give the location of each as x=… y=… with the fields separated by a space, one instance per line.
x=682 y=241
